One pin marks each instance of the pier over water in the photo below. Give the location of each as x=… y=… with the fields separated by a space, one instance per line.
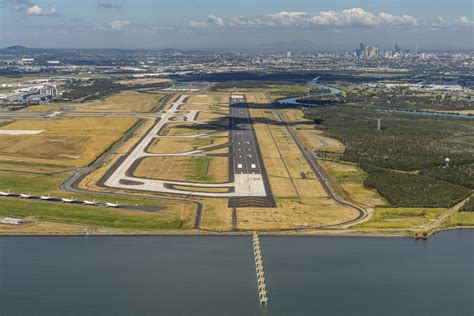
x=262 y=289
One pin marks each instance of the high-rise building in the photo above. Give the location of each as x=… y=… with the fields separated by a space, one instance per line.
x=361 y=51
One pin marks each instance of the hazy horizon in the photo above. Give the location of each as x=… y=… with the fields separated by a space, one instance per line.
x=245 y=26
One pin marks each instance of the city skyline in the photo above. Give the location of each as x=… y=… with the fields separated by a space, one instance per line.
x=248 y=26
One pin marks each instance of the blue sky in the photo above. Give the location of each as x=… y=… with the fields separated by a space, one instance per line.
x=241 y=25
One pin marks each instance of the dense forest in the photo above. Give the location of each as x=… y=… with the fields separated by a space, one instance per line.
x=399 y=98
x=468 y=206
x=406 y=158
x=403 y=98
x=99 y=88
x=404 y=189
x=95 y=89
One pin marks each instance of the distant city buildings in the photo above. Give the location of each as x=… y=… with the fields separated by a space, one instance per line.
x=374 y=52
x=62 y=65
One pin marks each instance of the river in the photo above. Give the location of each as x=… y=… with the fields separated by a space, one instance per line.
x=216 y=275
x=314 y=82
x=294 y=101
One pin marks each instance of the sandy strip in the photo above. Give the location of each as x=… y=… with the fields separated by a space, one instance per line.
x=19 y=132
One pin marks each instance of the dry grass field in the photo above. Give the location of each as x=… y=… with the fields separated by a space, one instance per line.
x=211 y=98
x=301 y=200
x=179 y=145
x=180 y=168
x=465 y=112
x=210 y=116
x=402 y=218
x=195 y=107
x=461 y=219
x=216 y=215
x=42 y=108
x=293 y=115
x=349 y=182
x=123 y=102
x=205 y=107
x=187 y=129
x=66 y=142
x=90 y=181
x=29 y=167
x=289 y=214
x=143 y=81
x=251 y=99
x=314 y=140
x=200 y=189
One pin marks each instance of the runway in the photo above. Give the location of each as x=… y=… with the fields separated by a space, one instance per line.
x=246 y=164
x=247 y=178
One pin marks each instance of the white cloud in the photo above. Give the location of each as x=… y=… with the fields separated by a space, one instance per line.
x=355 y=17
x=30 y=8
x=212 y=21
x=215 y=20
x=20 y=5
x=198 y=24
x=439 y=22
x=464 y=21
x=37 y=10
x=118 y=24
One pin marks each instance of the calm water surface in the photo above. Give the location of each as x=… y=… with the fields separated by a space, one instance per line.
x=216 y=275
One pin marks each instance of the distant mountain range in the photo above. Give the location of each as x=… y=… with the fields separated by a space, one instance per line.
x=15 y=48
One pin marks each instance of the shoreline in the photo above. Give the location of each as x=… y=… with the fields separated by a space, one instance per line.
x=315 y=233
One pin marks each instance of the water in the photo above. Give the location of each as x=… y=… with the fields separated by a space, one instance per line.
x=294 y=101
x=182 y=85
x=314 y=82
x=428 y=113
x=216 y=275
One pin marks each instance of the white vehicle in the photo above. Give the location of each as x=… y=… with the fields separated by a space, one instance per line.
x=90 y=202
x=111 y=205
x=5 y=193
x=64 y=200
x=25 y=196
x=45 y=197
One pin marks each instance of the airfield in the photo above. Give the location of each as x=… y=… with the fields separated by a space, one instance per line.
x=245 y=173
x=211 y=161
